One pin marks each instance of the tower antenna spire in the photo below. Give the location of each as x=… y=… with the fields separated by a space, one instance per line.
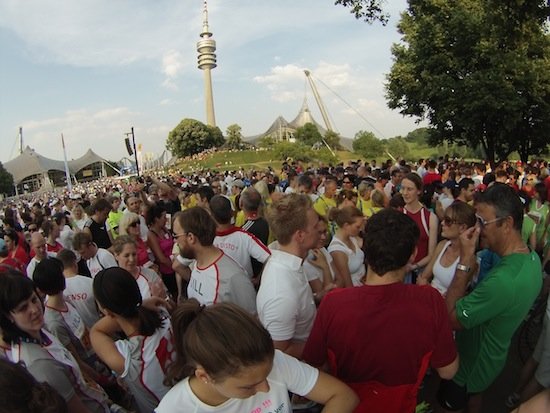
x=206 y=48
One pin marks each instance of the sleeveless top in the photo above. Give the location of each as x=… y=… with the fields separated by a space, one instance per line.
x=166 y=243
x=422 y=220
x=443 y=275
x=356 y=258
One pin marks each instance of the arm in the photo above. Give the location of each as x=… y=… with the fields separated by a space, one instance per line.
x=75 y=405
x=533 y=239
x=291 y=347
x=426 y=277
x=433 y=227
x=103 y=344
x=447 y=372
x=320 y=288
x=333 y=394
x=342 y=269
x=457 y=289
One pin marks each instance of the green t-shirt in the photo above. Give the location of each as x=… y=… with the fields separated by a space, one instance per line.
x=491 y=314
x=527 y=228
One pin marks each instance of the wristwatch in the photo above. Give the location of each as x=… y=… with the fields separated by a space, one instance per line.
x=463 y=267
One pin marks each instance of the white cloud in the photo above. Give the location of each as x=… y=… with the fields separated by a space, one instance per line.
x=166 y=102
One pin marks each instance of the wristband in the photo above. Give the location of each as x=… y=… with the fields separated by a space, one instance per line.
x=463 y=267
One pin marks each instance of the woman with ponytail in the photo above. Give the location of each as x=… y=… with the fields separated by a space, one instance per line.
x=142 y=358
x=226 y=362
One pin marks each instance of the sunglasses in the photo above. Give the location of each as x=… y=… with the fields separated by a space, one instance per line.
x=449 y=221
x=483 y=223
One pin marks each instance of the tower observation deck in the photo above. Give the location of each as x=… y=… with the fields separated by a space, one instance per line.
x=206 y=48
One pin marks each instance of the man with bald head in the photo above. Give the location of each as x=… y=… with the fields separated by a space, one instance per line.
x=38 y=246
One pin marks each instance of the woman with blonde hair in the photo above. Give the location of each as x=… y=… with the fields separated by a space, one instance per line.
x=129 y=224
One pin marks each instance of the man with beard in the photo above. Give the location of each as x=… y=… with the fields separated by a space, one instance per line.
x=215 y=277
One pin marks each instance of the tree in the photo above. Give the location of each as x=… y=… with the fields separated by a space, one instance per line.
x=191 y=137
x=308 y=134
x=368 y=145
x=418 y=136
x=234 y=137
x=478 y=71
x=295 y=151
x=6 y=181
x=367 y=10
x=333 y=139
x=398 y=147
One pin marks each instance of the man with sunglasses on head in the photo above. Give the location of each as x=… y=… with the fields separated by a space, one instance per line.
x=486 y=318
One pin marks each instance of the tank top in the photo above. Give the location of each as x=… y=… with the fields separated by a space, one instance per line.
x=166 y=243
x=422 y=220
x=443 y=275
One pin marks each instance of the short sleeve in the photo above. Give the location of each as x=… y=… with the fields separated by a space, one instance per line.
x=53 y=373
x=300 y=377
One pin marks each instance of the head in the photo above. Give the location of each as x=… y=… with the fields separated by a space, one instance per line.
x=305 y=184
x=223 y=346
x=12 y=239
x=466 y=189
x=38 y=245
x=250 y=200
x=21 y=311
x=125 y=251
x=349 y=219
x=377 y=197
x=500 y=215
x=117 y=294
x=77 y=211
x=155 y=216
x=330 y=187
x=541 y=192
x=322 y=227
x=100 y=210
x=60 y=219
x=396 y=176
x=82 y=243
x=192 y=229
x=346 y=197
x=133 y=204
x=411 y=188
x=68 y=259
x=48 y=277
x=237 y=186
x=129 y=224
x=21 y=393
x=220 y=207
x=364 y=189
x=348 y=182
x=115 y=203
x=458 y=217
x=50 y=230
x=390 y=241
x=293 y=219
x=204 y=194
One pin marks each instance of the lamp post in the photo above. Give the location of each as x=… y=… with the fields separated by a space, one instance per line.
x=129 y=148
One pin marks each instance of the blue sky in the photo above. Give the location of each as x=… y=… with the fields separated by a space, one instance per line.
x=91 y=69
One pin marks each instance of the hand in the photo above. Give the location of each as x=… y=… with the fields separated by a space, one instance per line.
x=468 y=242
x=319 y=260
x=421 y=281
x=155 y=303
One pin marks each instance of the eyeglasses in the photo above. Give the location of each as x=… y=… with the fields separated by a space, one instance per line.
x=176 y=236
x=483 y=223
x=449 y=221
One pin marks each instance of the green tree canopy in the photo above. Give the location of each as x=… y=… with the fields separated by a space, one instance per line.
x=333 y=139
x=368 y=145
x=191 y=137
x=367 y=10
x=397 y=147
x=308 y=134
x=234 y=137
x=478 y=71
x=6 y=181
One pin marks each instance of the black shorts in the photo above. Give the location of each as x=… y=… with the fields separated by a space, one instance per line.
x=452 y=396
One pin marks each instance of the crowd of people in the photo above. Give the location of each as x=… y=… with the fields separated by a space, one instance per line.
x=262 y=291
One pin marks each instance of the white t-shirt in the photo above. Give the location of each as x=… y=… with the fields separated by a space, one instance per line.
x=150 y=284
x=356 y=258
x=223 y=281
x=145 y=361
x=313 y=272
x=287 y=374
x=79 y=292
x=285 y=301
x=103 y=259
x=241 y=246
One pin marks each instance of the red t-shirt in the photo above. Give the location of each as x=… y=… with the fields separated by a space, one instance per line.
x=381 y=333
x=430 y=178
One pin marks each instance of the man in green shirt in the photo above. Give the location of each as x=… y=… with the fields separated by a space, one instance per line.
x=486 y=318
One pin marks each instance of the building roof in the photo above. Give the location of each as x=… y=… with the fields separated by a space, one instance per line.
x=31 y=163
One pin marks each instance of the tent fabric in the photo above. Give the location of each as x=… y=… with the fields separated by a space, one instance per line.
x=31 y=163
